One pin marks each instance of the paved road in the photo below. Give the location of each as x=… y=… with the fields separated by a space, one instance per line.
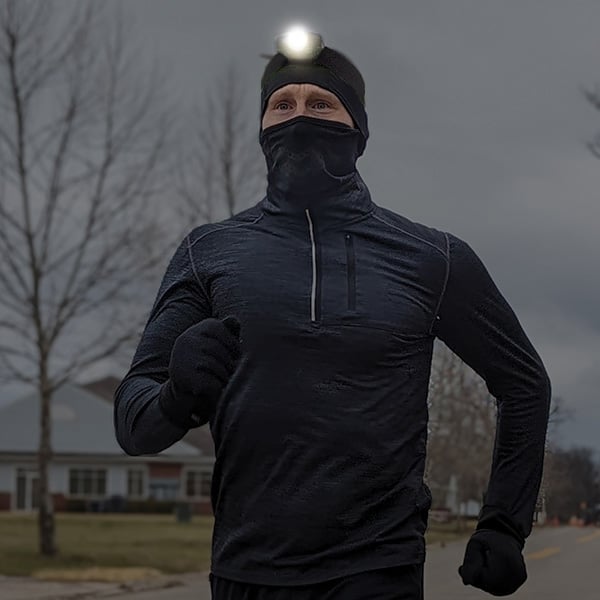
x=563 y=564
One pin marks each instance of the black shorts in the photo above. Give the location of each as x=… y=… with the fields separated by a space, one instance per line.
x=390 y=583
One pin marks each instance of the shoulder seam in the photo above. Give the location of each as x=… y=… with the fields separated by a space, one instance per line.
x=446 y=277
x=222 y=227
x=379 y=218
x=193 y=265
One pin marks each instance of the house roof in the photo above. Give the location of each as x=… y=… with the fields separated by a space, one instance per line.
x=199 y=437
x=82 y=423
x=105 y=387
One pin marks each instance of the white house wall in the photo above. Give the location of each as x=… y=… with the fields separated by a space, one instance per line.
x=59 y=479
x=116 y=481
x=7 y=478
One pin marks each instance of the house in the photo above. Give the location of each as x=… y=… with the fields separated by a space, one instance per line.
x=89 y=468
x=199 y=437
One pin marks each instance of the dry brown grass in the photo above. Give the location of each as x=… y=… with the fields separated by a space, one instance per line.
x=97 y=547
x=87 y=541
x=104 y=574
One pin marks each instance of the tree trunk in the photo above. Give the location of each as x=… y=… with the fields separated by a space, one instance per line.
x=47 y=545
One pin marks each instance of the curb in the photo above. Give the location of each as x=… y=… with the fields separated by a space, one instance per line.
x=27 y=588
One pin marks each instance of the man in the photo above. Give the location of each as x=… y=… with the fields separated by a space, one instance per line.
x=302 y=331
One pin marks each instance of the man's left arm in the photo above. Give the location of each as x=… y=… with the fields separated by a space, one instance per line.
x=476 y=322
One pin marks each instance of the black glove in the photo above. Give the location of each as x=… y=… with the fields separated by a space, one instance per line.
x=203 y=360
x=493 y=562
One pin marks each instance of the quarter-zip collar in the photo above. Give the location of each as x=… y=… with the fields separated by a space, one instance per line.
x=349 y=201
x=311 y=165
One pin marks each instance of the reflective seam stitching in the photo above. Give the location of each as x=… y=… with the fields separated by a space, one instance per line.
x=190 y=244
x=376 y=216
x=313 y=293
x=195 y=272
x=437 y=308
x=223 y=227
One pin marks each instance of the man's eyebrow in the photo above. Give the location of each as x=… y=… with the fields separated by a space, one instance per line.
x=323 y=94
x=280 y=94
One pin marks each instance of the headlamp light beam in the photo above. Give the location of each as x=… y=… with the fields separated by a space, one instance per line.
x=299 y=44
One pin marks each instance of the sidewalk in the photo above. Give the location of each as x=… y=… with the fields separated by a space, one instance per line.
x=175 y=587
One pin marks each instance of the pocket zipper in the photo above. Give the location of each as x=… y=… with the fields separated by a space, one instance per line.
x=350 y=272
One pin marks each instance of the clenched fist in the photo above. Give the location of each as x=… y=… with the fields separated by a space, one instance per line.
x=203 y=359
x=493 y=563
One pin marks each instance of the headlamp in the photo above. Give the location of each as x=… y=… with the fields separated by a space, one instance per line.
x=297 y=44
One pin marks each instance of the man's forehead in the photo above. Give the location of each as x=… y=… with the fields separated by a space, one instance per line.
x=301 y=88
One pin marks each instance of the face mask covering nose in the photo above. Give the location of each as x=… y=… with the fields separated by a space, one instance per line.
x=310 y=156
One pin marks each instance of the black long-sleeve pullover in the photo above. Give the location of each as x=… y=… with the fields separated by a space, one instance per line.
x=320 y=435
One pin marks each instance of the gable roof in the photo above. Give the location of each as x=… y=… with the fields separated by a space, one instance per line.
x=199 y=437
x=105 y=387
x=82 y=423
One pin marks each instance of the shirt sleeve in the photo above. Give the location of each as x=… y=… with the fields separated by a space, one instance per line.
x=141 y=426
x=477 y=323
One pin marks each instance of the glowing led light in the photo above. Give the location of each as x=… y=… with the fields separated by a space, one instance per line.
x=297 y=39
x=299 y=44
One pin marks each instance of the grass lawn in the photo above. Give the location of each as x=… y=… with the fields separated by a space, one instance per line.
x=98 y=540
x=440 y=533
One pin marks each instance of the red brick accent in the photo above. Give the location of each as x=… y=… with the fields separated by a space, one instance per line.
x=165 y=470
x=59 y=501
x=202 y=508
x=4 y=501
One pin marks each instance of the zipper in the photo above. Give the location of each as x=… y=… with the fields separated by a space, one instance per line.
x=351 y=272
x=313 y=291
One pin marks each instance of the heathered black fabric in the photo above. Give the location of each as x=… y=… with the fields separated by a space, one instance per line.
x=320 y=435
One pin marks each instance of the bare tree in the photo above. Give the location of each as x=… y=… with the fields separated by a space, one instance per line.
x=573 y=482
x=82 y=135
x=559 y=414
x=462 y=427
x=221 y=169
x=593 y=97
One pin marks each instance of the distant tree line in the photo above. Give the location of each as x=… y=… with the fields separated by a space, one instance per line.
x=461 y=439
x=572 y=484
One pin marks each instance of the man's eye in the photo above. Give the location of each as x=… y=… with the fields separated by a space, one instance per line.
x=279 y=105
x=321 y=104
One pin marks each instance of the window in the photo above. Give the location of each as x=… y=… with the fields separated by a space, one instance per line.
x=87 y=482
x=166 y=489
x=197 y=484
x=28 y=489
x=135 y=483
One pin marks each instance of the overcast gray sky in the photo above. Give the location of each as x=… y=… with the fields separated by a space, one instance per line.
x=478 y=127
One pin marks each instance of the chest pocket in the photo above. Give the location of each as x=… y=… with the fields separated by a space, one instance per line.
x=365 y=283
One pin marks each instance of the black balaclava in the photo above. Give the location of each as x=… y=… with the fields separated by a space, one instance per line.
x=307 y=156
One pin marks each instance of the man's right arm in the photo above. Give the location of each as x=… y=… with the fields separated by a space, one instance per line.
x=141 y=425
